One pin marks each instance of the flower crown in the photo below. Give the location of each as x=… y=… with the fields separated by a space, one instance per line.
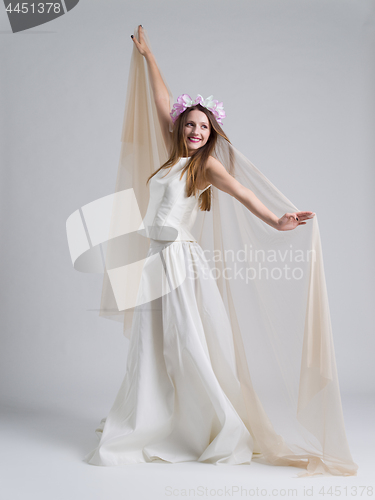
x=184 y=101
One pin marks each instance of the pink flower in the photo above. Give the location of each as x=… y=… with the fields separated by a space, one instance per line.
x=184 y=101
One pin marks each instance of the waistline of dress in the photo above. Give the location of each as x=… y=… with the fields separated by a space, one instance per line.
x=154 y=242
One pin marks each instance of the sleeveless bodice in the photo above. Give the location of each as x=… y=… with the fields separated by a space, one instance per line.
x=170 y=213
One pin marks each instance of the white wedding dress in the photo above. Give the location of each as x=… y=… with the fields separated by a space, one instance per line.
x=181 y=398
x=229 y=367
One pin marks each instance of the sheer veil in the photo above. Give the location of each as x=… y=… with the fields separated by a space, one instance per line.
x=272 y=284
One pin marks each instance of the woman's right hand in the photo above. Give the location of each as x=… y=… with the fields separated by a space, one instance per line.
x=141 y=44
x=159 y=89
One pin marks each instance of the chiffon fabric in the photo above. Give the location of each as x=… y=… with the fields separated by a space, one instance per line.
x=231 y=356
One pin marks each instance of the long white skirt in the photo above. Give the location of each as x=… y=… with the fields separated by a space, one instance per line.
x=180 y=399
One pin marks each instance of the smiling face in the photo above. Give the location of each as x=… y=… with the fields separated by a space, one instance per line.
x=197 y=130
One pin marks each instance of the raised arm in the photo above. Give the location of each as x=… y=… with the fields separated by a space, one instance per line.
x=218 y=176
x=161 y=95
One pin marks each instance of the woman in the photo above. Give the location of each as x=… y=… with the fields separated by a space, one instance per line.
x=188 y=394
x=199 y=128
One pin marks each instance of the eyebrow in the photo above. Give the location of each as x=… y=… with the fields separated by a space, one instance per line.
x=204 y=123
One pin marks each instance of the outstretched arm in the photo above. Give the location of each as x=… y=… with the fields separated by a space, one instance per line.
x=218 y=176
x=161 y=95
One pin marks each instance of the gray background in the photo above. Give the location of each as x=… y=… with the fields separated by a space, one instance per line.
x=297 y=80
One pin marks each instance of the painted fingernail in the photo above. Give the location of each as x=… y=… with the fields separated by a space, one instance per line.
x=131 y=36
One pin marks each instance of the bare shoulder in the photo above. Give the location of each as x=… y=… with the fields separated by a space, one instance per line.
x=219 y=177
x=214 y=164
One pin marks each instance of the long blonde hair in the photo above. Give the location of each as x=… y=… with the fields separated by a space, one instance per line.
x=195 y=167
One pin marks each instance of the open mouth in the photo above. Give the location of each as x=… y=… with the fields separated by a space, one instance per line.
x=193 y=139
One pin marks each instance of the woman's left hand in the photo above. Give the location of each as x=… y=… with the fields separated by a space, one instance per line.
x=291 y=220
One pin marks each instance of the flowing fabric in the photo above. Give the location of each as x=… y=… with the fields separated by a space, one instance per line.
x=271 y=285
x=181 y=399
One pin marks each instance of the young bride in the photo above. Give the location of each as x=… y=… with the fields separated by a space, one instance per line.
x=188 y=392
x=195 y=134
